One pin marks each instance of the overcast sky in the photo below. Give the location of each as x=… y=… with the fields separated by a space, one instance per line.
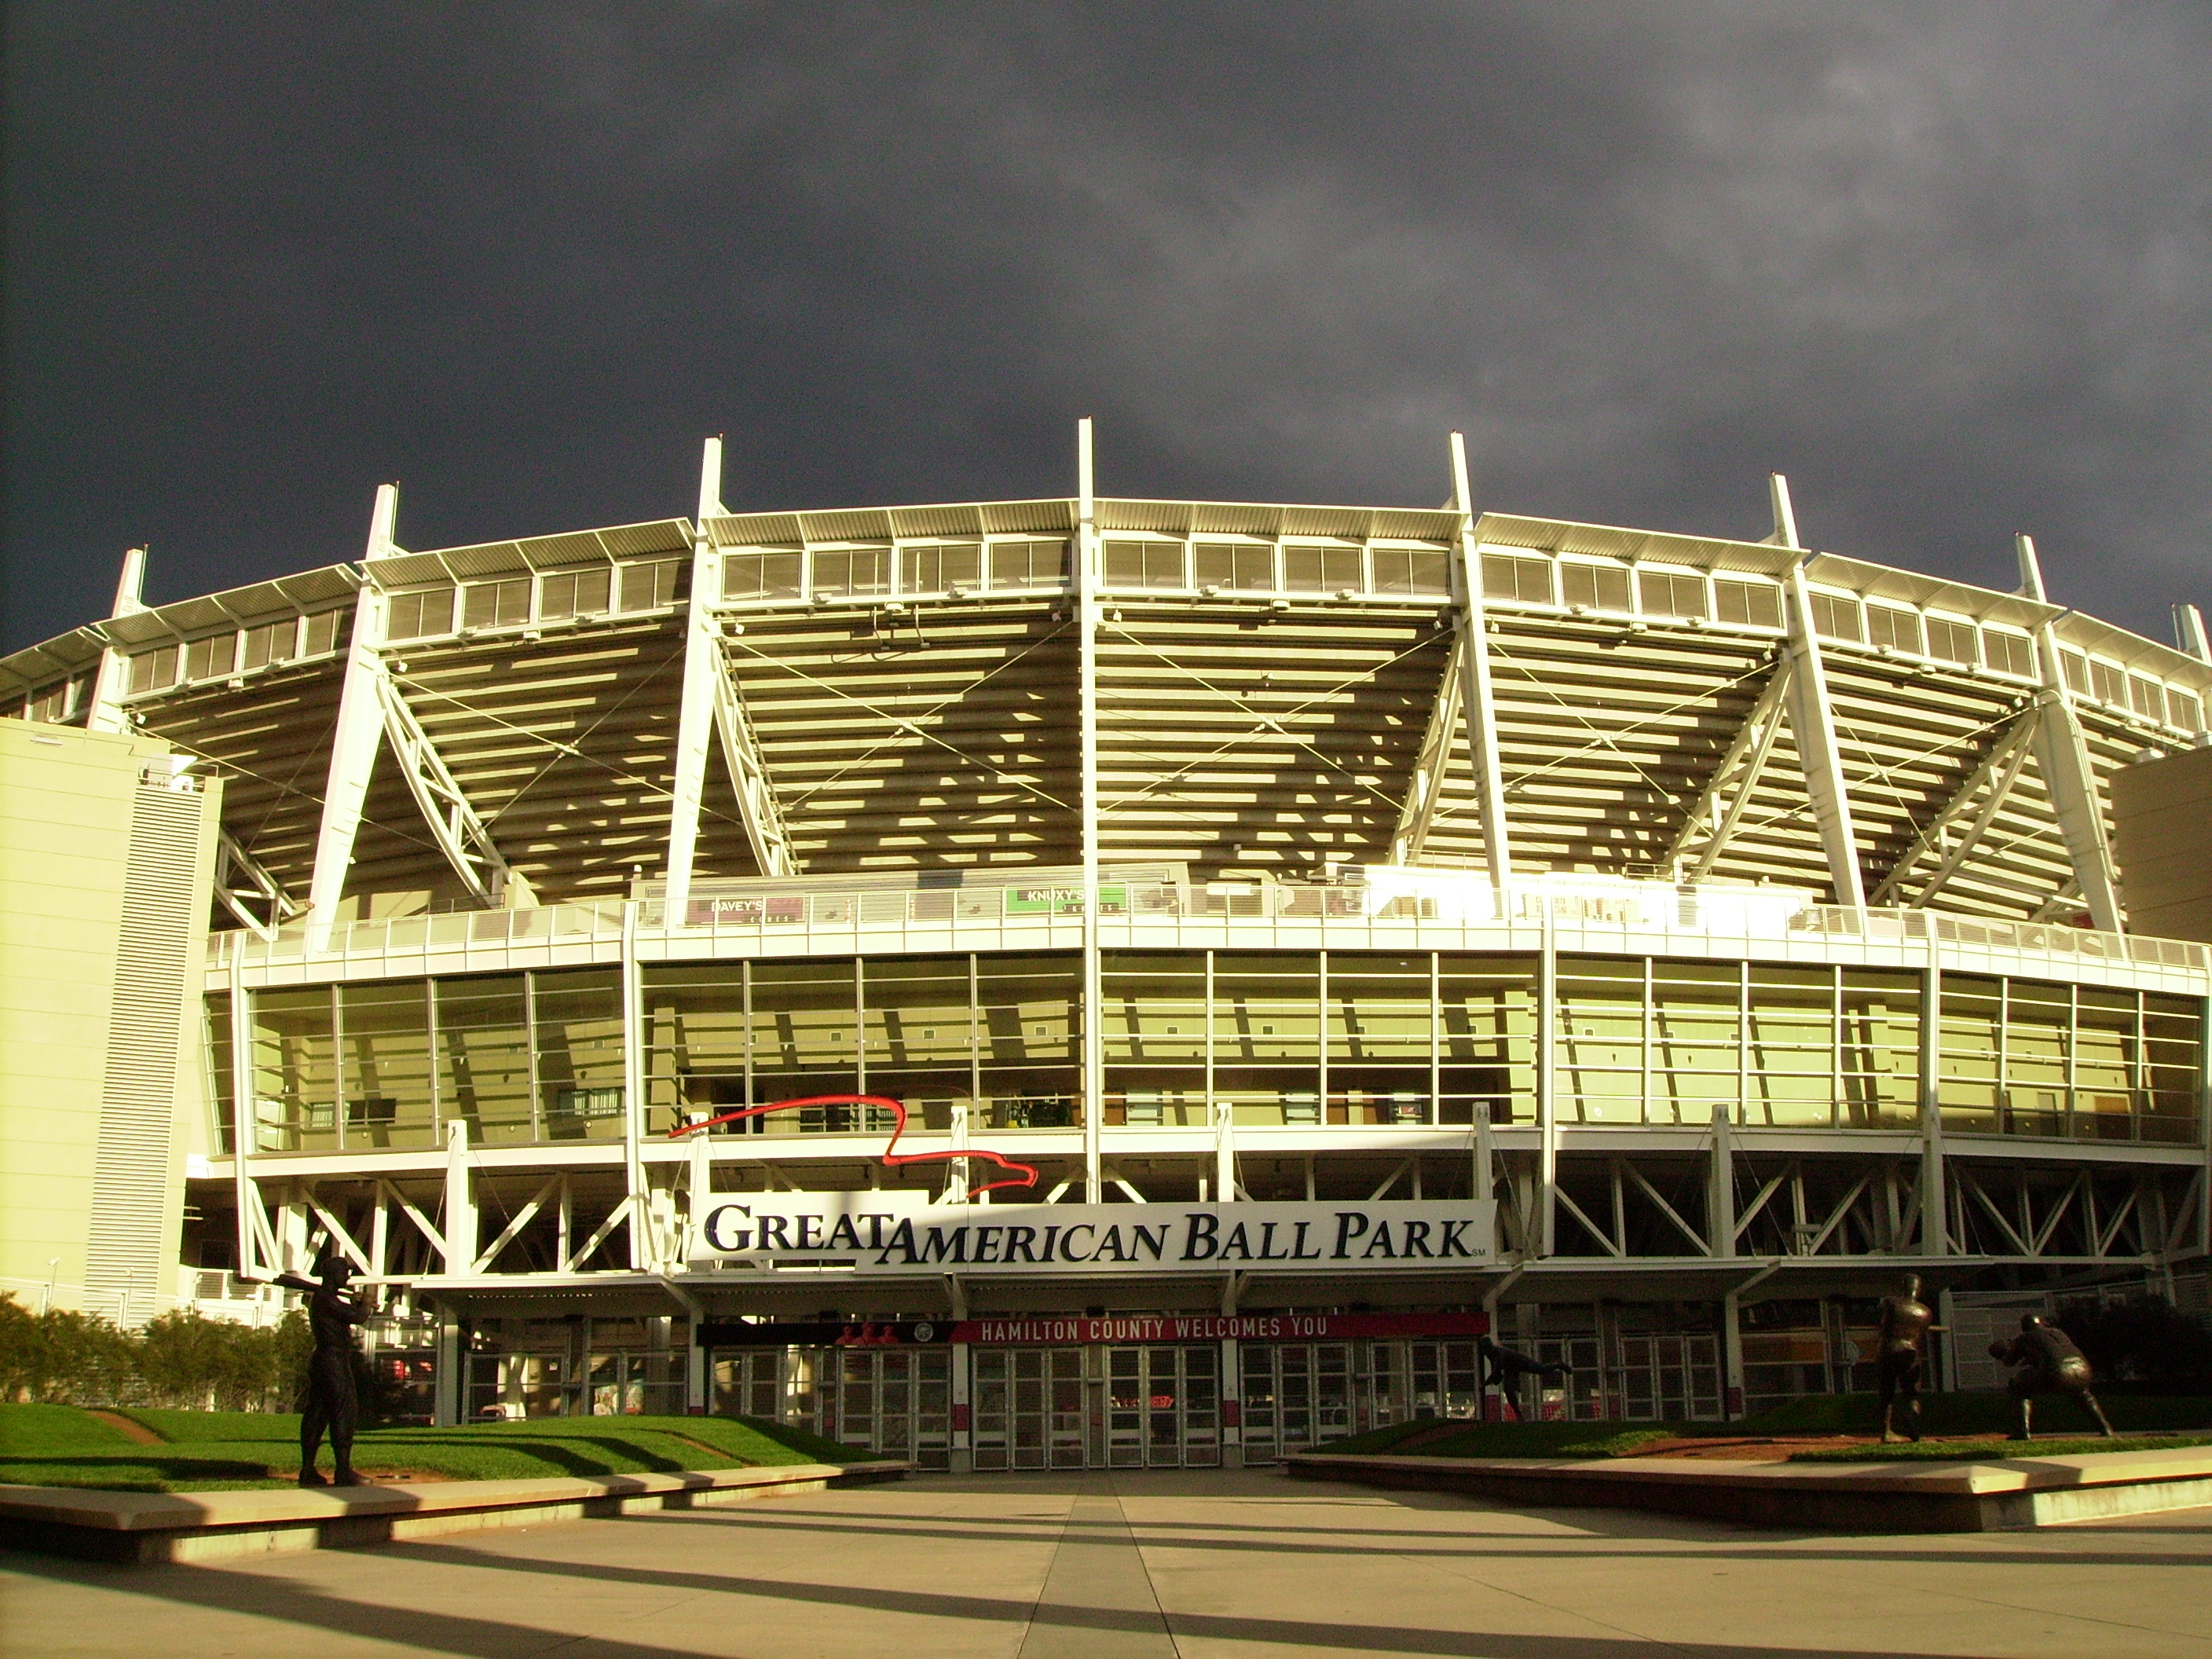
x=1948 y=266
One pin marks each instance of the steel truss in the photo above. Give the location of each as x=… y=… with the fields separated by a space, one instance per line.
x=248 y=891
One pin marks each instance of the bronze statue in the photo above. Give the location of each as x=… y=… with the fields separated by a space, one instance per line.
x=331 y=1404
x=2048 y=1363
x=1906 y=1322
x=1507 y=1366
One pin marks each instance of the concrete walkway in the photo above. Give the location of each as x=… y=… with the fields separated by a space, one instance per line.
x=1146 y=1564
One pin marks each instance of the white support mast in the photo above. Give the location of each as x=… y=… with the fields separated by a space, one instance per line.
x=2061 y=755
x=1812 y=717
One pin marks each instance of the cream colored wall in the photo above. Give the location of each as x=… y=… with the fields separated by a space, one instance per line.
x=67 y=802
x=2162 y=842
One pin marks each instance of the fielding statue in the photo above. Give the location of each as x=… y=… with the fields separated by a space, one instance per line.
x=1506 y=1367
x=332 y=1406
x=2049 y=1363
x=1906 y=1322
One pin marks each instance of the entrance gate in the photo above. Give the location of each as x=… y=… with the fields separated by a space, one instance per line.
x=1029 y=1408
x=1163 y=1408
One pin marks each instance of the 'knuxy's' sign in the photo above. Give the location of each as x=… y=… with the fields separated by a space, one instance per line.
x=879 y=1233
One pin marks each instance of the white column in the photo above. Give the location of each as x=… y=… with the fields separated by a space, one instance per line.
x=1547 y=1126
x=1477 y=704
x=1232 y=1404
x=243 y=1122
x=1086 y=609
x=644 y=1251
x=450 y=1388
x=961 y=1457
x=695 y=721
x=460 y=1221
x=1935 y=1222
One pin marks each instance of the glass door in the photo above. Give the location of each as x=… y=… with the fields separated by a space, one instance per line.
x=1163 y=1407
x=1027 y=1408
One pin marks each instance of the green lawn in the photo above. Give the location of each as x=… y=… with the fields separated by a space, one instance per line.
x=1847 y=1414
x=61 y=1446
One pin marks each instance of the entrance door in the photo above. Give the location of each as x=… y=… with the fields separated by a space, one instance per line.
x=1028 y=1406
x=1296 y=1395
x=1163 y=1407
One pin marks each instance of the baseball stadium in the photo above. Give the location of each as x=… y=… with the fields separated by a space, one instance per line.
x=1102 y=982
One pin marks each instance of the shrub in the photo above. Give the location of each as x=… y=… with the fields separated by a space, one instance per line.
x=181 y=1359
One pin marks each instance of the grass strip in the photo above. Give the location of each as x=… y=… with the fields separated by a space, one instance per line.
x=60 y=1446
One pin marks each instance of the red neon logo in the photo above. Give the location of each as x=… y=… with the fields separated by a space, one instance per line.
x=892 y=1158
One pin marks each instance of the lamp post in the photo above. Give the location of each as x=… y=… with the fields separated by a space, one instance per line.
x=47 y=1298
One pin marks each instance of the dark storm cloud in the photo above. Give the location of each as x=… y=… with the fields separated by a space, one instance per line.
x=1948 y=266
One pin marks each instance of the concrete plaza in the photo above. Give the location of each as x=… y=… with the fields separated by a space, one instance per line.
x=1139 y=1565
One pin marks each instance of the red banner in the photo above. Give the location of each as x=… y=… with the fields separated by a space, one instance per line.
x=1214 y=1327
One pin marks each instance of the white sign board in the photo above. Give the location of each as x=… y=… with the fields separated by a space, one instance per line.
x=900 y=1233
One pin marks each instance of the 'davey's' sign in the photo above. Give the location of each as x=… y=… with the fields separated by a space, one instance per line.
x=879 y=1233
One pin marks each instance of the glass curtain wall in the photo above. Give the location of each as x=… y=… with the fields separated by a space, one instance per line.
x=385 y=1066
x=1658 y=1040
x=990 y=1039
x=2079 y=1061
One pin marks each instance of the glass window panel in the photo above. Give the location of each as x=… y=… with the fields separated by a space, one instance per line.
x=1753 y=604
x=268 y=643
x=580 y=1054
x=2008 y=653
x=845 y=572
x=1144 y=564
x=1245 y=566
x=208 y=659
x=1952 y=641
x=1892 y=628
x=152 y=670
x=1029 y=564
x=940 y=569
x=2184 y=711
x=694 y=1030
x=483 y=1056
x=1672 y=593
x=2074 y=668
x=2107 y=683
x=386 y=1078
x=1836 y=616
x=1411 y=570
x=221 y=1084
x=649 y=586
x=1308 y=568
x=322 y=633
x=1508 y=576
x=1594 y=587
x=761 y=574
x=2144 y=697
x=414 y=616
x=573 y=593
x=294 y=1075
x=497 y=604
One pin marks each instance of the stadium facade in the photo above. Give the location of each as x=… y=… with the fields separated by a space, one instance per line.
x=1372 y=926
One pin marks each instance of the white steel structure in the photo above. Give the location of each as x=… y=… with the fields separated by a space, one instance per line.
x=1740 y=918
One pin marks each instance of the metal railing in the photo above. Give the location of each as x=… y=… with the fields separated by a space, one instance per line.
x=1130 y=909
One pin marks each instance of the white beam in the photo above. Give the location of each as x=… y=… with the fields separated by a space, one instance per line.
x=1728 y=792
x=1419 y=810
x=462 y=836
x=1996 y=774
x=1812 y=723
x=104 y=712
x=2061 y=755
x=749 y=780
x=241 y=884
x=1785 y=516
x=1476 y=699
x=696 y=722
x=354 y=745
x=2189 y=632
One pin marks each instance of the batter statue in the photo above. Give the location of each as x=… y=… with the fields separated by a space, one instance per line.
x=1506 y=1367
x=332 y=1406
x=1906 y=1322
x=2048 y=1363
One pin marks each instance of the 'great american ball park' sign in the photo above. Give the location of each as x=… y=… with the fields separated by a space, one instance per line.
x=892 y=1233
